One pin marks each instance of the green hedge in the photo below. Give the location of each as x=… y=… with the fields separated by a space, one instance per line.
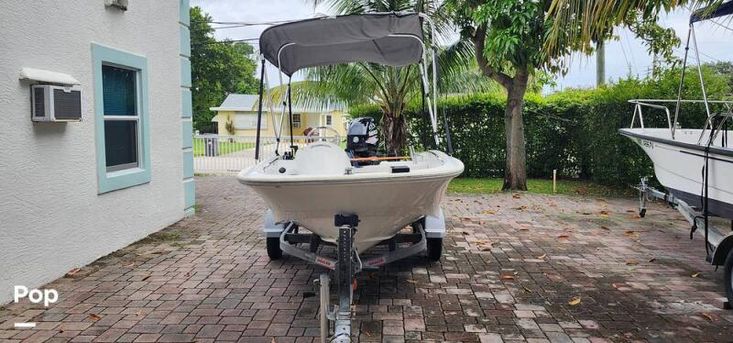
x=575 y=131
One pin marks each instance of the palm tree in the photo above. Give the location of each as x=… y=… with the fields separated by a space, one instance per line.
x=590 y=19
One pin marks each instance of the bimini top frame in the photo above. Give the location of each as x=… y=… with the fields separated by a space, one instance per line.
x=708 y=13
x=393 y=39
x=702 y=14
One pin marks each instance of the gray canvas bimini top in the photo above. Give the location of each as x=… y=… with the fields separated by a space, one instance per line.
x=392 y=39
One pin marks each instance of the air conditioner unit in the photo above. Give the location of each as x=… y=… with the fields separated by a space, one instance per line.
x=55 y=103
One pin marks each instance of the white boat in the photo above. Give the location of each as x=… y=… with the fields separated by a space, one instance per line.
x=679 y=165
x=351 y=198
x=321 y=182
x=694 y=165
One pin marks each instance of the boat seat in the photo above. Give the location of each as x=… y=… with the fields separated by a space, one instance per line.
x=322 y=158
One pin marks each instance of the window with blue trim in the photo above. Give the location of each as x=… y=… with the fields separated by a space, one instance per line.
x=120 y=78
x=121 y=118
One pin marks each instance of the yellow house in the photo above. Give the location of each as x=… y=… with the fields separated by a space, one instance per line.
x=237 y=116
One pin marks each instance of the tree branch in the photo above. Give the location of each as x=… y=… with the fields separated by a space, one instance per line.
x=376 y=81
x=478 y=39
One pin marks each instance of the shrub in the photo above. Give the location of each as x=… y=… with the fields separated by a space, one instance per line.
x=574 y=131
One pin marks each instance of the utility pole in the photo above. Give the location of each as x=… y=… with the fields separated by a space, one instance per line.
x=600 y=63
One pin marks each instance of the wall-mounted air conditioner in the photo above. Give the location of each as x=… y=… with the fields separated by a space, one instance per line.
x=55 y=103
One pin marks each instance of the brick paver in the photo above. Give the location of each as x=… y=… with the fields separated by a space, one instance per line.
x=531 y=268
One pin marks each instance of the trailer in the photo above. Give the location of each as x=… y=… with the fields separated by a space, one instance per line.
x=719 y=241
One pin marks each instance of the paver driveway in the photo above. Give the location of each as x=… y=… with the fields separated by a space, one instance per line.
x=512 y=267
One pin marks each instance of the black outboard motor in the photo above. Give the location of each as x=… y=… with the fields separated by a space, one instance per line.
x=361 y=139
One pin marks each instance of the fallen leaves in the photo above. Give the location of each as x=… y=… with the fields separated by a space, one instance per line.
x=541 y=257
x=708 y=316
x=516 y=196
x=563 y=236
x=73 y=272
x=94 y=317
x=653 y=259
x=631 y=234
x=488 y=212
x=574 y=301
x=507 y=277
x=631 y=262
x=695 y=275
x=484 y=244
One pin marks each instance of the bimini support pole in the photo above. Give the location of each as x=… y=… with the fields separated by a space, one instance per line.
x=259 y=110
x=699 y=73
x=682 y=83
x=431 y=93
x=293 y=147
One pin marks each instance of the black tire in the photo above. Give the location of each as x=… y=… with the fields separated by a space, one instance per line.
x=729 y=277
x=273 y=248
x=642 y=213
x=435 y=248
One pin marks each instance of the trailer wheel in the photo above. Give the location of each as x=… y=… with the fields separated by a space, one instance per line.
x=273 y=248
x=435 y=248
x=642 y=213
x=729 y=276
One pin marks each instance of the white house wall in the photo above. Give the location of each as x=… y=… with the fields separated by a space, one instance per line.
x=51 y=217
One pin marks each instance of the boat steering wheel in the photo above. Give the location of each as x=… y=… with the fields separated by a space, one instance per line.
x=312 y=135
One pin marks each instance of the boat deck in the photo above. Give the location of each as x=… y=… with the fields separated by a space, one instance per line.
x=514 y=269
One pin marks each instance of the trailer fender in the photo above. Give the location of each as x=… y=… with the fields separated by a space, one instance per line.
x=435 y=225
x=271 y=228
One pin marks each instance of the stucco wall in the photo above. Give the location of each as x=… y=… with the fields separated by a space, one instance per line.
x=51 y=217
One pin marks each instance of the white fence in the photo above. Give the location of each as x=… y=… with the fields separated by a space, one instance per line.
x=217 y=154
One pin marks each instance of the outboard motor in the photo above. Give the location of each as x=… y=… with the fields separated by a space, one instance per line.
x=361 y=138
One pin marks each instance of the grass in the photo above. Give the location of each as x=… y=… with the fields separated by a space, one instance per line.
x=225 y=147
x=540 y=186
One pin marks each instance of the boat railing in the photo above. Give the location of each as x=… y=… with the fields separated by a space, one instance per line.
x=662 y=104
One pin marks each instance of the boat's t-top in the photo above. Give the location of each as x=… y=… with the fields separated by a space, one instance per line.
x=392 y=39
x=713 y=133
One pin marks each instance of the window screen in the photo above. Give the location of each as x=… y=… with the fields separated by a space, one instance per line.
x=121 y=120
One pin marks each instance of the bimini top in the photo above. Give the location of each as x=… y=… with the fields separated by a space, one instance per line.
x=711 y=12
x=393 y=39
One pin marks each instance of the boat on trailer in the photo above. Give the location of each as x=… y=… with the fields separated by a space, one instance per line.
x=695 y=166
x=340 y=196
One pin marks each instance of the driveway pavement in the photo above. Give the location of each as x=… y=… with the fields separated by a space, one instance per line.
x=526 y=267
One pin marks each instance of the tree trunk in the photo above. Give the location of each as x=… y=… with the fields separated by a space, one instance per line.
x=515 y=173
x=393 y=128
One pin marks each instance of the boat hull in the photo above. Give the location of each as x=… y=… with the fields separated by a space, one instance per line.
x=385 y=203
x=678 y=166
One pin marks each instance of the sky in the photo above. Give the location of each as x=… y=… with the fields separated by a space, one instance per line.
x=625 y=56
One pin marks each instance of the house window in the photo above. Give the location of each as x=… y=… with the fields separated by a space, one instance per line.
x=120 y=104
x=121 y=118
x=248 y=121
x=329 y=120
x=296 y=120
